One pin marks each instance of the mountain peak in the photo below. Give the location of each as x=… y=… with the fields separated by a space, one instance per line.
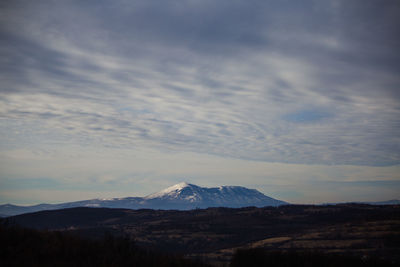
x=167 y=191
x=181 y=185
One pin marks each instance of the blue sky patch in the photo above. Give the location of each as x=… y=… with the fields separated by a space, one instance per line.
x=305 y=116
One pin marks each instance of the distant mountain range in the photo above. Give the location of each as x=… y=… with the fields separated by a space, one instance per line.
x=182 y=196
x=387 y=202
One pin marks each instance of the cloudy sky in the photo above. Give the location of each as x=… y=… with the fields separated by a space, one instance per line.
x=298 y=99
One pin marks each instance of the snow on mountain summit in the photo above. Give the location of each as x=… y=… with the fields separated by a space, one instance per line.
x=168 y=191
x=183 y=192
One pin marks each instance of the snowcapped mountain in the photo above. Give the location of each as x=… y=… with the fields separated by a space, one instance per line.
x=190 y=196
x=182 y=196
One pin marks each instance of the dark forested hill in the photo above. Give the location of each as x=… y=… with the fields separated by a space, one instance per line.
x=216 y=233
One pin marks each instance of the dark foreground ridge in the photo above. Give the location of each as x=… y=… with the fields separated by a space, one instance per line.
x=356 y=233
x=27 y=247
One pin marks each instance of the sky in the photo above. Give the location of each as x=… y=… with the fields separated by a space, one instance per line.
x=298 y=99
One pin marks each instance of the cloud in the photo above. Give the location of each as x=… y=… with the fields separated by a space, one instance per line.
x=222 y=78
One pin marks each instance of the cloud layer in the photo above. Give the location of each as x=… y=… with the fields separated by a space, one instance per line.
x=262 y=80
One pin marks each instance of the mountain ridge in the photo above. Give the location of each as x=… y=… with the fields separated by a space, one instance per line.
x=181 y=196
